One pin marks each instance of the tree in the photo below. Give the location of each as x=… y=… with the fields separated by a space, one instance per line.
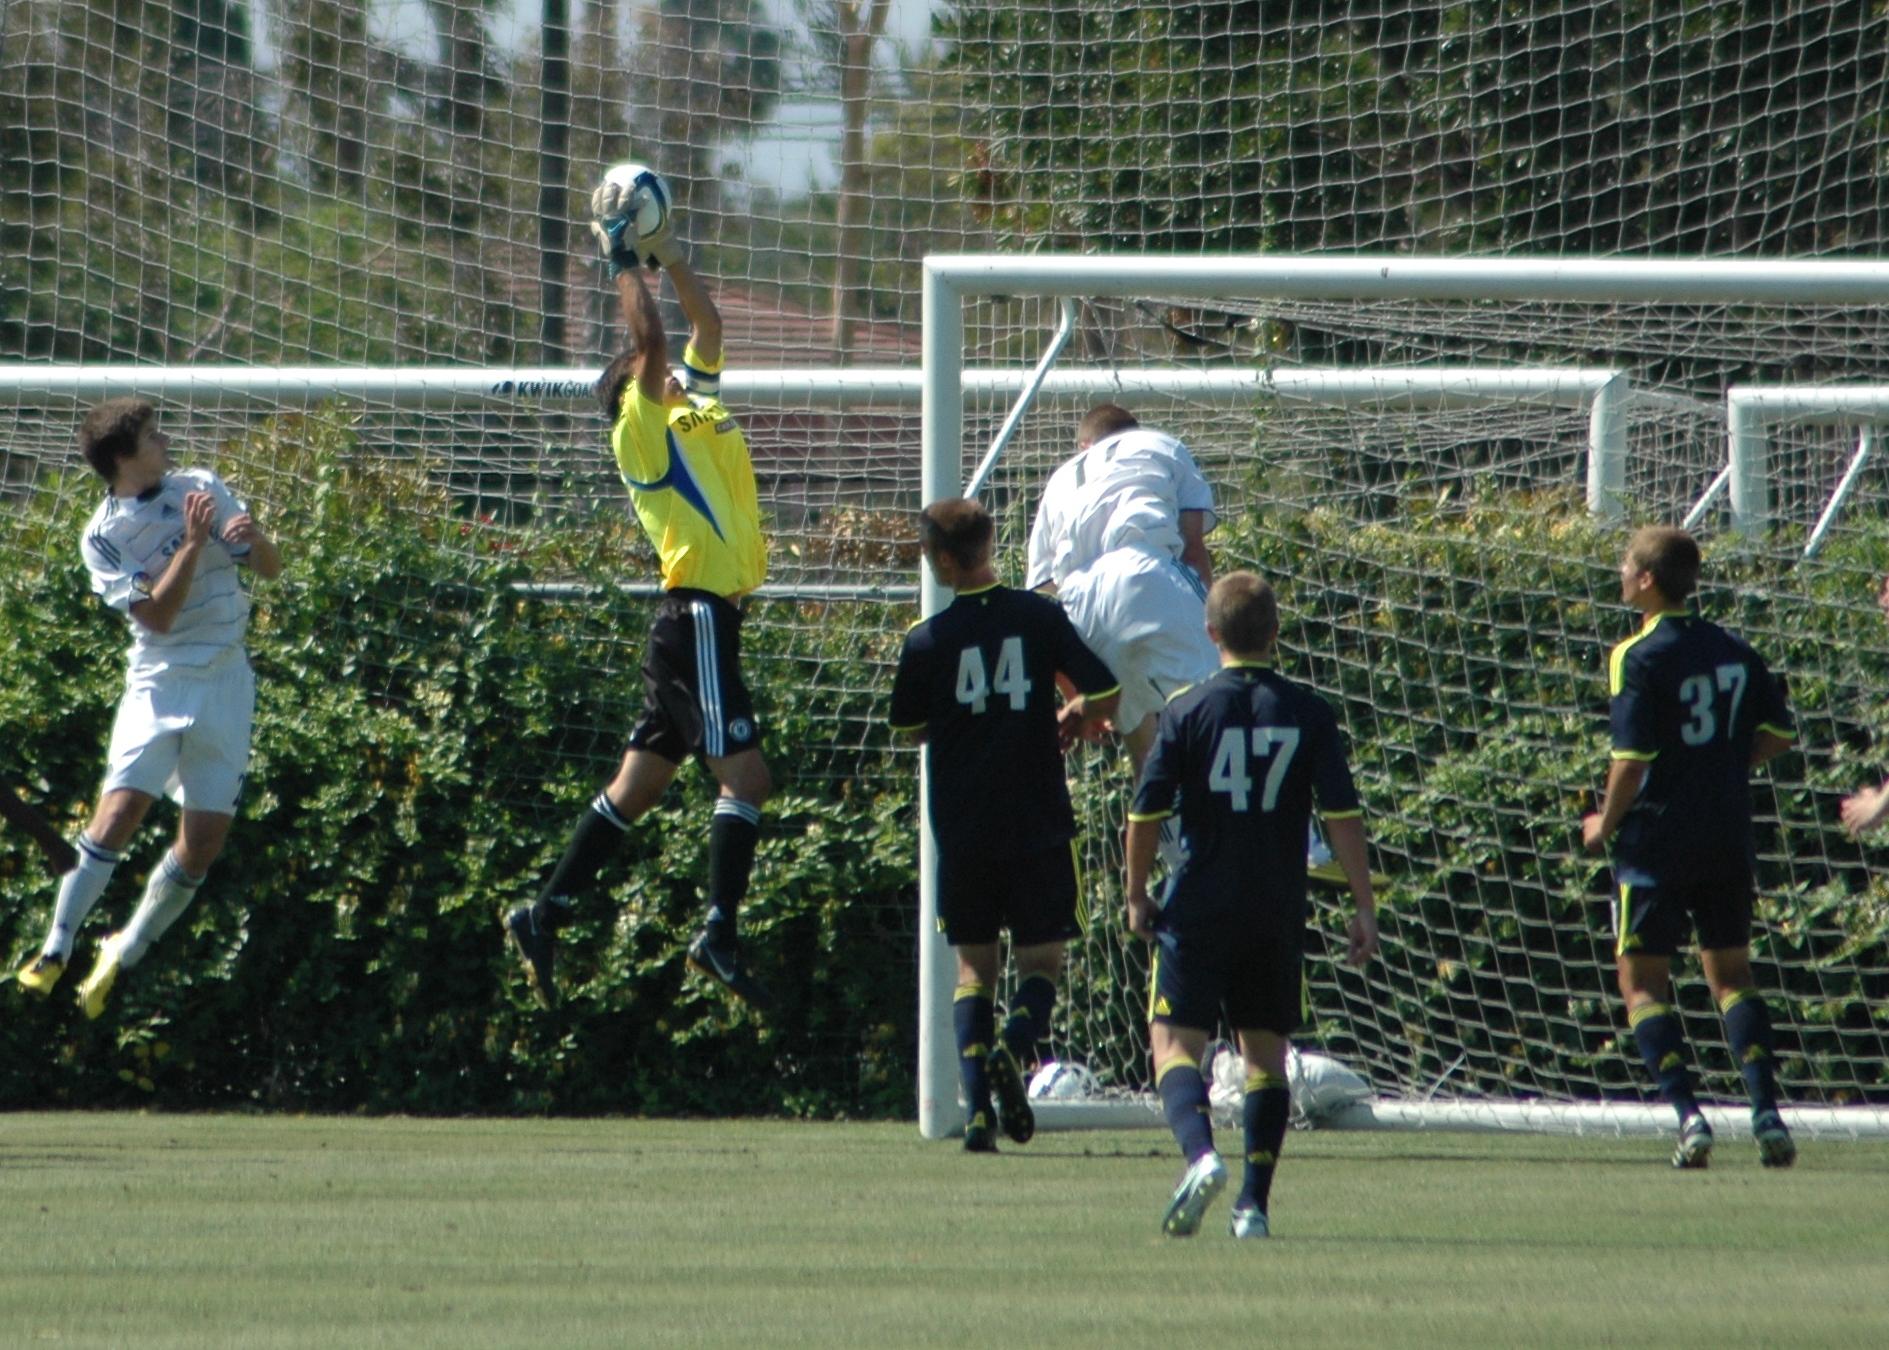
x=1474 y=125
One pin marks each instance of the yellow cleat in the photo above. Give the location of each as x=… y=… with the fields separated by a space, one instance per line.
x=98 y=985
x=41 y=975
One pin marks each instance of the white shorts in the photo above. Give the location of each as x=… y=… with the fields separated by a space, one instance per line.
x=1145 y=615
x=185 y=734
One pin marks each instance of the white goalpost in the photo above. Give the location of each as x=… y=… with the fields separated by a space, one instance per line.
x=1649 y=442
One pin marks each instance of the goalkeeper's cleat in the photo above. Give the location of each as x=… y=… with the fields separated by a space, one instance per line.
x=1248 y=1221
x=40 y=975
x=719 y=958
x=1014 y=1115
x=1694 y=1152
x=98 y=985
x=1202 y=1182
x=536 y=946
x=979 y=1137
x=1776 y=1148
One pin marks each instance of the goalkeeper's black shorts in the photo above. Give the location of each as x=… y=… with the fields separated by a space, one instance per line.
x=694 y=699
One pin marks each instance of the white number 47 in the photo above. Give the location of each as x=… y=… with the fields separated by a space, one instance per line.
x=1229 y=772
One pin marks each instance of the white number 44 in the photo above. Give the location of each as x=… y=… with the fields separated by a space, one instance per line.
x=1229 y=773
x=1012 y=679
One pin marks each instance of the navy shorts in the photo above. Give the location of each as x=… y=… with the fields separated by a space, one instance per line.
x=1253 y=977
x=1031 y=894
x=694 y=700
x=1659 y=920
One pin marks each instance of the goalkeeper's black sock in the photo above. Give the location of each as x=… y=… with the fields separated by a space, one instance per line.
x=1184 y=1103
x=1748 y=1029
x=1662 y=1043
x=1264 y=1112
x=1029 y=1017
x=732 y=835
x=596 y=837
x=974 y=1018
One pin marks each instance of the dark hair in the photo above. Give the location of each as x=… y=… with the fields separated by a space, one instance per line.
x=1102 y=421
x=1671 y=555
x=615 y=379
x=110 y=432
x=957 y=527
x=1244 y=612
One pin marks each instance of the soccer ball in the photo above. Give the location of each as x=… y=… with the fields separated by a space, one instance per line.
x=1063 y=1081
x=636 y=191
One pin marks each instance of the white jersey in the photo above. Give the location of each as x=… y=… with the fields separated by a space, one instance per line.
x=127 y=545
x=1125 y=491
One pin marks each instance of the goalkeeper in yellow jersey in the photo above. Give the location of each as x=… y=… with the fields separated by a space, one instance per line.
x=685 y=463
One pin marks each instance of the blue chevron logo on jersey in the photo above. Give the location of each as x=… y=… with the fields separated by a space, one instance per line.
x=678 y=478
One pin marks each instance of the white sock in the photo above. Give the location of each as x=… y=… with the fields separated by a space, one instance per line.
x=79 y=890
x=166 y=895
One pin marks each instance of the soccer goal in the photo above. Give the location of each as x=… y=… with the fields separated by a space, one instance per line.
x=1446 y=543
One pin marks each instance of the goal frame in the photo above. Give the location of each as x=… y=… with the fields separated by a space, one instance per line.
x=951 y=280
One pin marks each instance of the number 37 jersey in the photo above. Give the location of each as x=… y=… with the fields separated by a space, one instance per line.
x=979 y=678
x=1241 y=756
x=1688 y=698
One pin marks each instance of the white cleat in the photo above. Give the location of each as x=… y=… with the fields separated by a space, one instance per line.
x=1248 y=1222
x=1202 y=1182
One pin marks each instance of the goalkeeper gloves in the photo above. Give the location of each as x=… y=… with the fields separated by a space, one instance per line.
x=618 y=256
x=660 y=249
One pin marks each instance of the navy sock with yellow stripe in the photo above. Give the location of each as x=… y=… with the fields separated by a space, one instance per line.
x=1748 y=1029
x=1264 y=1112
x=1662 y=1042
x=974 y=1017
x=1028 y=1022
x=1184 y=1103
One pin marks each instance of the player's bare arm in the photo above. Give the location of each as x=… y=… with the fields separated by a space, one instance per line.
x=1346 y=836
x=264 y=557
x=644 y=320
x=1144 y=838
x=1624 y=780
x=167 y=597
x=704 y=319
x=1767 y=746
x=1084 y=718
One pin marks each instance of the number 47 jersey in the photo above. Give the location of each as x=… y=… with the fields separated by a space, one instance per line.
x=1688 y=698
x=1241 y=756
x=979 y=679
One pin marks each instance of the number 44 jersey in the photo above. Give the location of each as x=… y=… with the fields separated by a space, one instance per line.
x=1687 y=700
x=1241 y=757
x=978 y=678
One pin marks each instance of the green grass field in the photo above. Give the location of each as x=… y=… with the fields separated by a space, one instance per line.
x=154 y=1230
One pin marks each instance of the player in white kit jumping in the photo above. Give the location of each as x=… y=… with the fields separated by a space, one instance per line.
x=163 y=549
x=1120 y=539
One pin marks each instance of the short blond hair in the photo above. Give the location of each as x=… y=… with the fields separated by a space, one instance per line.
x=1244 y=613
x=1671 y=556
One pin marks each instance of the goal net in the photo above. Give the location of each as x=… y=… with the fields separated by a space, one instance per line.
x=1447 y=558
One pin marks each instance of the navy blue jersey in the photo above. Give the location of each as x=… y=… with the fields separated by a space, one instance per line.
x=1240 y=756
x=979 y=677
x=1688 y=699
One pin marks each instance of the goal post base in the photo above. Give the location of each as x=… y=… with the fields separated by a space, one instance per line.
x=1574 y=1119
